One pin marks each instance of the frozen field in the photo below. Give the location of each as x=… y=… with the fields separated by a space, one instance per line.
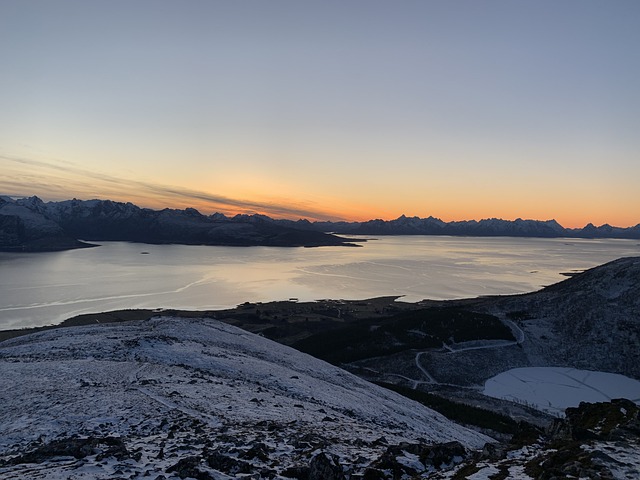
x=553 y=389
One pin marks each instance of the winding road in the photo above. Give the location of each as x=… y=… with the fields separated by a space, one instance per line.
x=517 y=332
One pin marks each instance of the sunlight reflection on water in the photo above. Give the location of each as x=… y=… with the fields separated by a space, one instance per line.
x=46 y=288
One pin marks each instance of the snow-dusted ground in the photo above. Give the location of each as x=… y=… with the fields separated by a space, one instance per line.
x=174 y=388
x=621 y=460
x=553 y=389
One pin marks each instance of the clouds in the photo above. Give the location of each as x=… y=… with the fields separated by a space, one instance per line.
x=60 y=180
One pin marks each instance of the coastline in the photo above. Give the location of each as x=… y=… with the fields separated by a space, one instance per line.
x=279 y=309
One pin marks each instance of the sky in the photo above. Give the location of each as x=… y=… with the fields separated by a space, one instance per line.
x=327 y=109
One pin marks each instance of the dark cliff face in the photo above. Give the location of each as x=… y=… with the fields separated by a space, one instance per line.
x=11 y=231
x=24 y=229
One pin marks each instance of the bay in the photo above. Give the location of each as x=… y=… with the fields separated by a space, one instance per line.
x=47 y=288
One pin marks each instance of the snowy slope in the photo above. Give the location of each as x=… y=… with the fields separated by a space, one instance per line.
x=590 y=321
x=149 y=394
x=30 y=229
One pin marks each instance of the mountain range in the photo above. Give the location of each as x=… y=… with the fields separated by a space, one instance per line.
x=29 y=224
x=483 y=228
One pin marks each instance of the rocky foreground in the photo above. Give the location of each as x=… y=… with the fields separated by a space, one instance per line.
x=593 y=441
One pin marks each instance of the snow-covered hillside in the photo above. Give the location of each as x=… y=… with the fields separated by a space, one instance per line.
x=590 y=321
x=25 y=227
x=168 y=396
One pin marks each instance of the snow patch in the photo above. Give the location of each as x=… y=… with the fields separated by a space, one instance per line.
x=553 y=389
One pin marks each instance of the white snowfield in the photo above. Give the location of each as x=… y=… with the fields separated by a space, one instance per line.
x=553 y=389
x=171 y=387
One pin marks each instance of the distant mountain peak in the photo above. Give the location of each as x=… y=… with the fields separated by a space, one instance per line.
x=492 y=226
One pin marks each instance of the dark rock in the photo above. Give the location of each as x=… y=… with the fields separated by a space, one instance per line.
x=389 y=462
x=373 y=474
x=437 y=456
x=325 y=467
x=560 y=430
x=259 y=451
x=116 y=448
x=76 y=447
x=268 y=474
x=299 y=473
x=493 y=451
x=603 y=421
x=188 y=467
x=569 y=461
x=443 y=454
x=310 y=441
x=380 y=441
x=11 y=232
x=226 y=464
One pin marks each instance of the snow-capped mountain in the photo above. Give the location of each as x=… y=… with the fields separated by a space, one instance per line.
x=24 y=226
x=487 y=227
x=104 y=220
x=199 y=398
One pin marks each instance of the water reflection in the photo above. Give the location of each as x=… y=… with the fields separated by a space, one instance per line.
x=45 y=288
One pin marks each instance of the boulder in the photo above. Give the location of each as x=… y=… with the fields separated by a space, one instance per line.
x=325 y=467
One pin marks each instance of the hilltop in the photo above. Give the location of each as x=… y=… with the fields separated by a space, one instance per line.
x=196 y=397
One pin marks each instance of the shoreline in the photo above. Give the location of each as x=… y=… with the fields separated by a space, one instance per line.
x=278 y=311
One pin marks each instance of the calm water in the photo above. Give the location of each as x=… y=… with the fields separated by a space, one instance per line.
x=46 y=288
